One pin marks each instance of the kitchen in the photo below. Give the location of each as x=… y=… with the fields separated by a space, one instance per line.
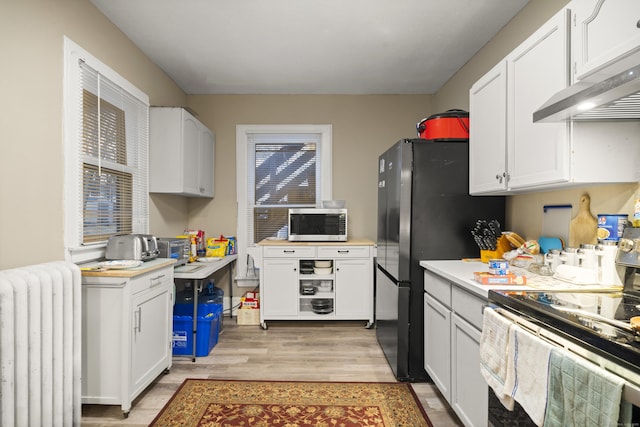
x=32 y=33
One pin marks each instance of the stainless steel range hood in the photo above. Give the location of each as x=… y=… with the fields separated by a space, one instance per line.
x=614 y=98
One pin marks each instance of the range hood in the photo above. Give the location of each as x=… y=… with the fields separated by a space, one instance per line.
x=616 y=97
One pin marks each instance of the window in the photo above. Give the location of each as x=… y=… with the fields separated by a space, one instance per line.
x=279 y=167
x=106 y=155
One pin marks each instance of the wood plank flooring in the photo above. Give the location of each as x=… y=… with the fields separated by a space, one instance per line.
x=295 y=351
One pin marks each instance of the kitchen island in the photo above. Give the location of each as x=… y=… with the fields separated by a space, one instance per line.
x=316 y=280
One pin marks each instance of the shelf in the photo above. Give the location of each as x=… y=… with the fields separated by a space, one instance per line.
x=321 y=294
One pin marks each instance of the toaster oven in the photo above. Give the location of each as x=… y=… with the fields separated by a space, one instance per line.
x=174 y=247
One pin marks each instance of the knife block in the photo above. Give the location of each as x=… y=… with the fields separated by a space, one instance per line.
x=502 y=246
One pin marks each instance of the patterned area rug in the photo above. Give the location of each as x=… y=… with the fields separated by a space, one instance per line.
x=223 y=403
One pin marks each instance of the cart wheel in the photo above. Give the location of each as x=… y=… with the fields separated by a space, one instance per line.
x=166 y=371
x=264 y=325
x=125 y=414
x=369 y=325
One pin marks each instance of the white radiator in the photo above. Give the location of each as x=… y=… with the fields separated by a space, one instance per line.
x=40 y=354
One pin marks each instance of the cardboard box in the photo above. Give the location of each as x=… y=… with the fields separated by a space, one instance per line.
x=498 y=279
x=248 y=316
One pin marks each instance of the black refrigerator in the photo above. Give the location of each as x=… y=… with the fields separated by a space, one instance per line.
x=425 y=212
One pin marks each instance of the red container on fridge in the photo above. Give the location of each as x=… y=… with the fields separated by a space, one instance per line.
x=451 y=126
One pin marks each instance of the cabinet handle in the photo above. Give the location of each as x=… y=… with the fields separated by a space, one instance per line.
x=155 y=281
x=638 y=24
x=344 y=251
x=289 y=251
x=138 y=321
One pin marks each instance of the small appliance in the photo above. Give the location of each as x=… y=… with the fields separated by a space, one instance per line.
x=451 y=126
x=317 y=225
x=142 y=247
x=174 y=247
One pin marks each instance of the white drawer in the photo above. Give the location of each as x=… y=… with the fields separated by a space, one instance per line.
x=289 y=252
x=152 y=279
x=344 y=252
x=467 y=306
x=438 y=287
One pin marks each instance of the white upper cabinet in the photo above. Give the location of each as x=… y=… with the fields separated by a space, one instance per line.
x=603 y=32
x=181 y=153
x=507 y=150
x=537 y=153
x=511 y=154
x=488 y=132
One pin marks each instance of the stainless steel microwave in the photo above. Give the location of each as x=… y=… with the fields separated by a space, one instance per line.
x=317 y=225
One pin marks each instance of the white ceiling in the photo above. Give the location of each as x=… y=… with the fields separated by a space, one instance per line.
x=310 y=46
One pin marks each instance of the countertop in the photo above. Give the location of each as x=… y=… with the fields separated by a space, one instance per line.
x=129 y=272
x=350 y=242
x=461 y=272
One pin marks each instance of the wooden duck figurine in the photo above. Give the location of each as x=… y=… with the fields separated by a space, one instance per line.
x=583 y=228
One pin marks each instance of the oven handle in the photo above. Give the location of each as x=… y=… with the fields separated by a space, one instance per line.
x=595 y=316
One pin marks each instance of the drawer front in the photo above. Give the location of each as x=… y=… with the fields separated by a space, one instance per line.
x=438 y=287
x=289 y=252
x=344 y=252
x=153 y=279
x=467 y=306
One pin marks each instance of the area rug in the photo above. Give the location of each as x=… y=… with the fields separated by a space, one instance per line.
x=225 y=403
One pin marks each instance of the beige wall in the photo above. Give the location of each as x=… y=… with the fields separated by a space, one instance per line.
x=363 y=127
x=31 y=133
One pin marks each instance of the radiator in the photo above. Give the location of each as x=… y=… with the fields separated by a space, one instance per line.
x=40 y=354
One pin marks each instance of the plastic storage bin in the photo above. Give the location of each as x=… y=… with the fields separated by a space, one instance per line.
x=206 y=336
x=203 y=309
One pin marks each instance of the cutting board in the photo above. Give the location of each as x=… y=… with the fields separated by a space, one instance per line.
x=555 y=221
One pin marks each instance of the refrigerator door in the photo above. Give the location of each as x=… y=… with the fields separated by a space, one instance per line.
x=392 y=323
x=394 y=210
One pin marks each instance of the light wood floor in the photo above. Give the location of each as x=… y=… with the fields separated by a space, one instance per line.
x=296 y=351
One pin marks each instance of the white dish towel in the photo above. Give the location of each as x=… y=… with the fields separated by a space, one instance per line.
x=494 y=353
x=526 y=379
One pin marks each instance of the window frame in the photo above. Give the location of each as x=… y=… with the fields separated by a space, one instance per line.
x=242 y=144
x=75 y=250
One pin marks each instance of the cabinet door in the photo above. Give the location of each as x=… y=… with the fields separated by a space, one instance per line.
x=354 y=285
x=279 y=292
x=488 y=132
x=604 y=31
x=469 y=391
x=437 y=348
x=151 y=334
x=207 y=157
x=538 y=153
x=190 y=154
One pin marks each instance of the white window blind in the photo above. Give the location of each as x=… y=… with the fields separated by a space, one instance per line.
x=114 y=151
x=284 y=172
x=106 y=155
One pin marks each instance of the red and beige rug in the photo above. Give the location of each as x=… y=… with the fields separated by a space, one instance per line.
x=225 y=403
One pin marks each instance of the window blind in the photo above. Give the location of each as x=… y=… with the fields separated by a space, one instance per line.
x=283 y=172
x=113 y=159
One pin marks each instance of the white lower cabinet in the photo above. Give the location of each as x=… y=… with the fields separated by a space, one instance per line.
x=126 y=335
x=293 y=287
x=437 y=358
x=452 y=328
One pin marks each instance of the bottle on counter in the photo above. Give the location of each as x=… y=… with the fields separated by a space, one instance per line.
x=635 y=218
